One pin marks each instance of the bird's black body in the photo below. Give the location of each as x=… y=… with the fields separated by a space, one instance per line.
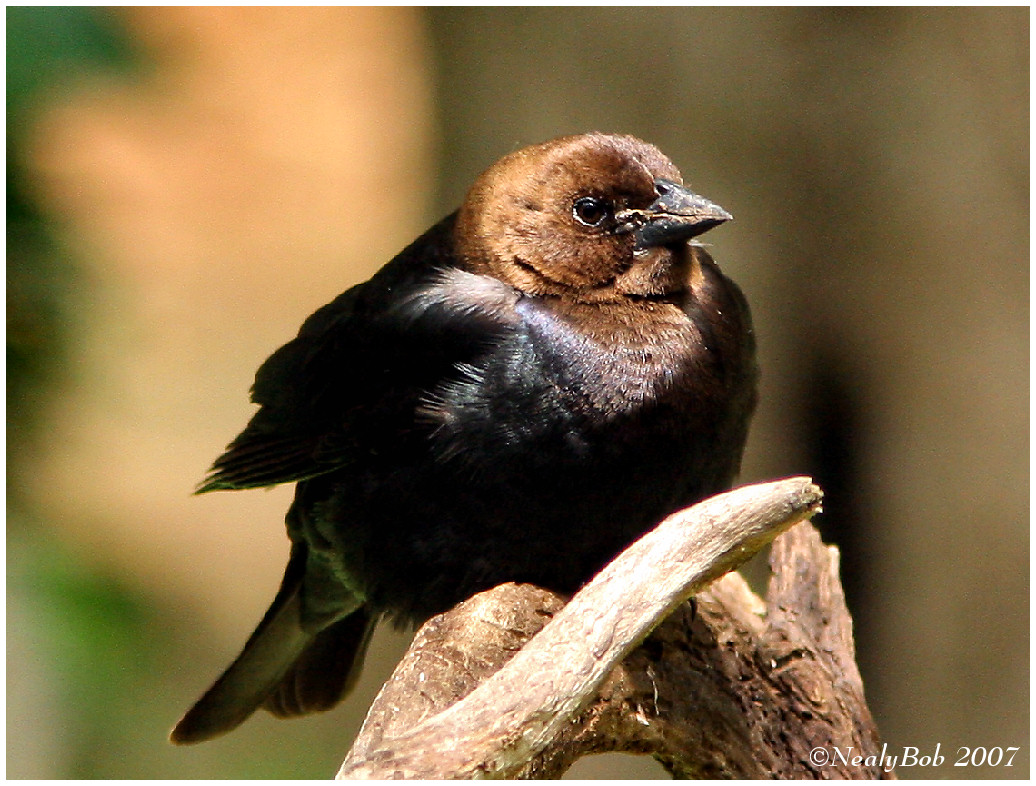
x=484 y=410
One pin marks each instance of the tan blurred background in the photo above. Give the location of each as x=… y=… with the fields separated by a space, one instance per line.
x=186 y=185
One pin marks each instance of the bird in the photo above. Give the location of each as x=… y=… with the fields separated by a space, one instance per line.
x=524 y=390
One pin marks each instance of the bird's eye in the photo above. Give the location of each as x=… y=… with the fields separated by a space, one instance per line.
x=591 y=211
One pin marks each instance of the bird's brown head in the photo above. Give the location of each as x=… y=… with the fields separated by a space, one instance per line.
x=595 y=217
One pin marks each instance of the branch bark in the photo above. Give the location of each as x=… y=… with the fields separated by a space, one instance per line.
x=516 y=683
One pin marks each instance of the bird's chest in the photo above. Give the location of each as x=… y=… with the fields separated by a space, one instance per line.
x=556 y=392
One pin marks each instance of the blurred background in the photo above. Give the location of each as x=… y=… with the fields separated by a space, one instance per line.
x=185 y=185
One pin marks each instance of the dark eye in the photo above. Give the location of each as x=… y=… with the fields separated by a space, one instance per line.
x=591 y=211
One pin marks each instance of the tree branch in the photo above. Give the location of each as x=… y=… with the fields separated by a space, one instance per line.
x=713 y=693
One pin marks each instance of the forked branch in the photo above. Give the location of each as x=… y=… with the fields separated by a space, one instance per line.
x=715 y=691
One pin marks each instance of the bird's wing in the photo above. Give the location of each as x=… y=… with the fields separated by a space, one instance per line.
x=359 y=368
x=295 y=389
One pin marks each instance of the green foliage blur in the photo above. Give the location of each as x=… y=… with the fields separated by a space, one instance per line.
x=87 y=656
x=46 y=48
x=82 y=631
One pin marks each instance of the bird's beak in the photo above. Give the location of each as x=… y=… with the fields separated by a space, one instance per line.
x=675 y=217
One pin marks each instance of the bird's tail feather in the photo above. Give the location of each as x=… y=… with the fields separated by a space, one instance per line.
x=267 y=657
x=286 y=667
x=326 y=670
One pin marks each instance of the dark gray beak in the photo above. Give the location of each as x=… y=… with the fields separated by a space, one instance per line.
x=675 y=217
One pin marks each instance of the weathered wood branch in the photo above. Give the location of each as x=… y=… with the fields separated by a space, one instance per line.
x=714 y=691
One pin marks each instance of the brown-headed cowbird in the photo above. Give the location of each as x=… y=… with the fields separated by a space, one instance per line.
x=529 y=386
